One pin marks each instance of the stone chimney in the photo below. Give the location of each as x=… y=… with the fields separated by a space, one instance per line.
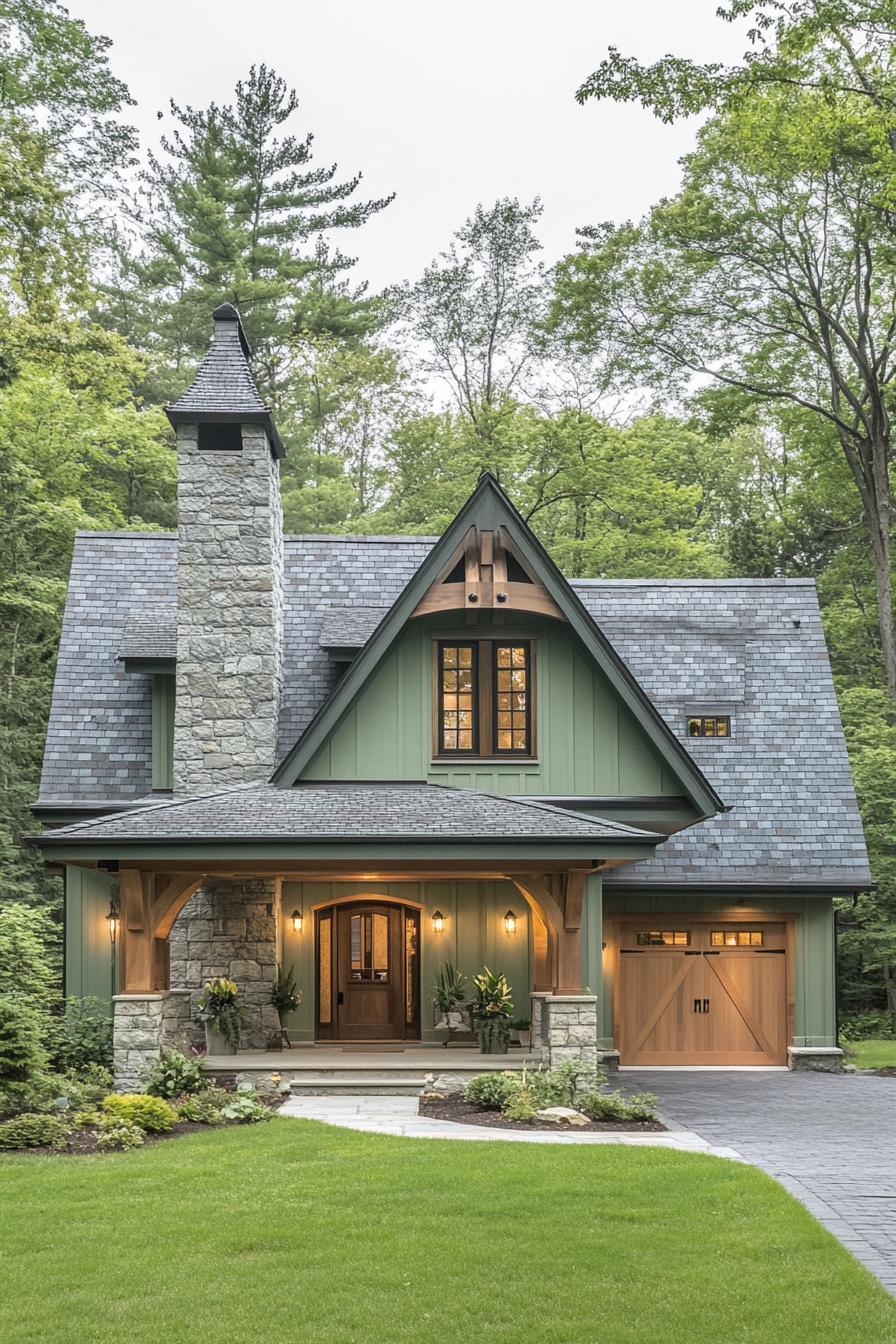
x=229 y=571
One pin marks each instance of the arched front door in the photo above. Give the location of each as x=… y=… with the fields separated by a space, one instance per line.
x=368 y=972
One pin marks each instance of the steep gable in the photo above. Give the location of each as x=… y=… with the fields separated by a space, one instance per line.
x=489 y=510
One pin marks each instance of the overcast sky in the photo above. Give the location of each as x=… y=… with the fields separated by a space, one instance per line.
x=445 y=102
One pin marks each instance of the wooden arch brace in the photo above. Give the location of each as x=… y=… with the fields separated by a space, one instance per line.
x=149 y=906
x=557 y=900
x=486 y=585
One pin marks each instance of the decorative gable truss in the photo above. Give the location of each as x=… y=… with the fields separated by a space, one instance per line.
x=485 y=573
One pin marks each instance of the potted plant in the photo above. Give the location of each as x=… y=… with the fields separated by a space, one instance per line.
x=523 y=1028
x=222 y=1014
x=491 y=1011
x=447 y=996
x=286 y=998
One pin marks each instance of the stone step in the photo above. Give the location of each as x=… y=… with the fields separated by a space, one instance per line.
x=362 y=1084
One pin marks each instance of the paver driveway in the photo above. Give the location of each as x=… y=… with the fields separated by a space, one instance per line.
x=830 y=1140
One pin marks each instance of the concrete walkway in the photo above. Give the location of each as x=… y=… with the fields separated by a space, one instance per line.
x=398 y=1115
x=830 y=1140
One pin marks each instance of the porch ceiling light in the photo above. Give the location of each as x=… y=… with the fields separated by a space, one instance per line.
x=438 y=922
x=298 y=919
x=510 y=922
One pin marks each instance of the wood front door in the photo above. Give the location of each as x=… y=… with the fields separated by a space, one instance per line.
x=368 y=972
x=702 y=994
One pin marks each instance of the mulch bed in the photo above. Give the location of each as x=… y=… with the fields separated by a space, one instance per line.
x=83 y=1141
x=453 y=1107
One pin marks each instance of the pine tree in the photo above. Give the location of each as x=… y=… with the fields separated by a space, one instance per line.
x=233 y=210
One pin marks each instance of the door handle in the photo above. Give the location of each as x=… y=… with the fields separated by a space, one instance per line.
x=701 y=1005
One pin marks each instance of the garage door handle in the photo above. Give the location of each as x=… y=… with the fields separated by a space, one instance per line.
x=769 y=951
x=701 y=1005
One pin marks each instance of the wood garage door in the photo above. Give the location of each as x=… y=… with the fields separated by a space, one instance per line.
x=702 y=993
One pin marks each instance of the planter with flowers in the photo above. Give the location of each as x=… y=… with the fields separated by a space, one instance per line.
x=219 y=1008
x=491 y=1012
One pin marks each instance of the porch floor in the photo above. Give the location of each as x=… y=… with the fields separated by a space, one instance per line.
x=406 y=1057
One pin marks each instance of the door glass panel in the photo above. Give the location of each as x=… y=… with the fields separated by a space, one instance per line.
x=736 y=938
x=369 y=948
x=324 y=991
x=410 y=969
x=663 y=937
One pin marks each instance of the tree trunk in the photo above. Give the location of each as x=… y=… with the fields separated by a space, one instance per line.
x=883 y=592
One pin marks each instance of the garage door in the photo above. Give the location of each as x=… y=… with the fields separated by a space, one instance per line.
x=702 y=994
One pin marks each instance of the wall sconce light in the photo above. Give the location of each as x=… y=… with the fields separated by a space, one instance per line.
x=510 y=922
x=438 y=922
x=114 y=921
x=298 y=919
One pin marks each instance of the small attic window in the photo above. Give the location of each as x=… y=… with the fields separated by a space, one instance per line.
x=709 y=725
x=221 y=438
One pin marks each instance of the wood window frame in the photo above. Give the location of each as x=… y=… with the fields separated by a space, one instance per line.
x=485 y=699
x=715 y=720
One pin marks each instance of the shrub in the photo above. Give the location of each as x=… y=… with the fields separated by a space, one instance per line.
x=643 y=1106
x=244 y=1107
x=489 y=1091
x=118 y=1137
x=521 y=1104
x=175 y=1075
x=868 y=1026
x=565 y=1084
x=604 y=1106
x=33 y=1131
x=21 y=1053
x=87 y=1119
x=87 y=1034
x=151 y=1114
x=198 y=1110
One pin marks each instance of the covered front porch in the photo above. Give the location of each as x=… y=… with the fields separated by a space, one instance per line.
x=364 y=891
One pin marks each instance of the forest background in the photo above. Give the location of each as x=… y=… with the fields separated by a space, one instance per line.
x=704 y=392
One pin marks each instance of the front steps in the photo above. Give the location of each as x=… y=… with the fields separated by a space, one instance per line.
x=322 y=1072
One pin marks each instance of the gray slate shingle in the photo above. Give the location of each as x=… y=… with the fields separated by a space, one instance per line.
x=730 y=645
x=351 y=812
x=152 y=638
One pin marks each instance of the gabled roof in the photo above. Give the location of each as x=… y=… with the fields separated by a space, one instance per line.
x=490 y=508
x=224 y=389
x=422 y=813
x=753 y=648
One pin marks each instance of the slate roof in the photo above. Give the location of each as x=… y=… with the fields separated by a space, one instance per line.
x=224 y=388
x=751 y=648
x=350 y=812
x=349 y=627
x=154 y=638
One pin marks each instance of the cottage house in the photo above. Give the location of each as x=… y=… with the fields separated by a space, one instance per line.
x=364 y=756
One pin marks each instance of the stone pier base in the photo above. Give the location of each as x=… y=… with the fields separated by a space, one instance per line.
x=569 y=1028
x=815 y=1058
x=143 y=1026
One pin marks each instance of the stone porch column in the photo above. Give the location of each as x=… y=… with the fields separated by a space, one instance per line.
x=569 y=1028
x=143 y=1025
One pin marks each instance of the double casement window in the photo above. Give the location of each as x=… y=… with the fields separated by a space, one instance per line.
x=484 y=698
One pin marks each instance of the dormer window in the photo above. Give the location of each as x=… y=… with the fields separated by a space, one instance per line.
x=220 y=438
x=709 y=725
x=484 y=698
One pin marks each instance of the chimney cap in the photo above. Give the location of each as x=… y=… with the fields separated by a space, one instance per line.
x=224 y=388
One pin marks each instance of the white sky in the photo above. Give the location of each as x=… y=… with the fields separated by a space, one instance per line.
x=446 y=103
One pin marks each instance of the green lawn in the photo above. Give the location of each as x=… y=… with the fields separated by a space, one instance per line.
x=872 y=1054
x=294 y=1231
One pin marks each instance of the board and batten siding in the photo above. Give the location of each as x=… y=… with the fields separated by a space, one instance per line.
x=474 y=936
x=586 y=741
x=88 y=951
